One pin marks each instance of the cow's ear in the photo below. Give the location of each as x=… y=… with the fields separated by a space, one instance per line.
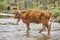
x=23 y=11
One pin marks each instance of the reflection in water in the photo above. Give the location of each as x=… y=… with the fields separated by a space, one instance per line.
x=37 y=37
x=43 y=37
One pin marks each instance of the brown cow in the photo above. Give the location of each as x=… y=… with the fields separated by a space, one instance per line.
x=34 y=16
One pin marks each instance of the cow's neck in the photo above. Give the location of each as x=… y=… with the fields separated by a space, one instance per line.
x=20 y=16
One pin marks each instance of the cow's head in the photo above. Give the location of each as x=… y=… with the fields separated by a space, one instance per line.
x=16 y=11
x=17 y=14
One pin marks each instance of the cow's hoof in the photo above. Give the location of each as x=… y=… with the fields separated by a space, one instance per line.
x=39 y=31
x=29 y=29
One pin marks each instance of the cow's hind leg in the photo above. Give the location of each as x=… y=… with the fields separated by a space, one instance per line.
x=48 y=26
x=43 y=22
x=43 y=28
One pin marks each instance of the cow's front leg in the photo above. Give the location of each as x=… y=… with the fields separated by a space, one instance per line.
x=28 y=28
x=27 y=24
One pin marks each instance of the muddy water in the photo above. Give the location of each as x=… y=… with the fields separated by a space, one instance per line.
x=18 y=32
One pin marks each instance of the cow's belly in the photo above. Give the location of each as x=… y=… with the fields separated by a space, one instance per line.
x=36 y=21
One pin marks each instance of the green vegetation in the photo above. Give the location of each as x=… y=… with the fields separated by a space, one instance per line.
x=2 y=16
x=30 y=4
x=53 y=10
x=55 y=13
x=3 y=5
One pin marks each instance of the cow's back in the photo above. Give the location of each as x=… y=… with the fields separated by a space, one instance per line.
x=34 y=14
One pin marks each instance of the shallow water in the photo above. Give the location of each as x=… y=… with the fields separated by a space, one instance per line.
x=11 y=32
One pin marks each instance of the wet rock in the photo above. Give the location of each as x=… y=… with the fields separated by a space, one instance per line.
x=19 y=30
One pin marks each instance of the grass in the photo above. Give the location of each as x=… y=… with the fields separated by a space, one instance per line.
x=53 y=10
x=1 y=16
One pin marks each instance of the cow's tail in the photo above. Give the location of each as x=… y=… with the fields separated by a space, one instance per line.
x=50 y=19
